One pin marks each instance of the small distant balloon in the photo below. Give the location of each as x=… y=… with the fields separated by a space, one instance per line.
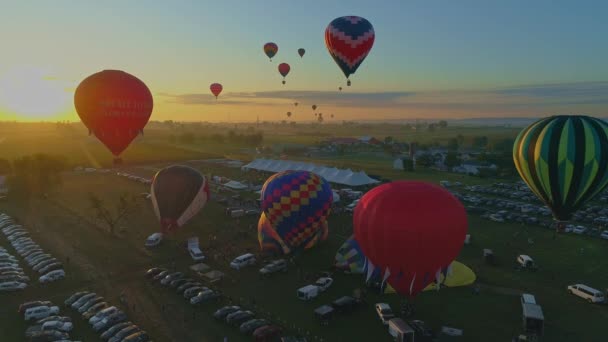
x=288 y=114
x=216 y=89
x=284 y=70
x=270 y=49
x=314 y=107
x=332 y=116
x=340 y=88
x=301 y=52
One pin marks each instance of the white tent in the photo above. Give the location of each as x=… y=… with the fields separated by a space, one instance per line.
x=332 y=175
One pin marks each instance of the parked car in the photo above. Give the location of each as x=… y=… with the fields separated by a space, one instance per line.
x=124 y=332
x=193 y=291
x=58 y=325
x=249 y=326
x=103 y=314
x=89 y=303
x=115 y=329
x=44 y=263
x=221 y=313
x=39 y=312
x=154 y=240
x=83 y=299
x=239 y=316
x=93 y=310
x=604 y=235
x=178 y=282
x=54 y=318
x=12 y=286
x=203 y=296
x=243 y=261
x=51 y=267
x=170 y=277
x=52 y=276
x=279 y=265
x=184 y=287
x=152 y=272
x=324 y=283
x=48 y=335
x=579 y=230
x=195 y=253
x=344 y=304
x=141 y=336
x=33 y=304
x=161 y=275
x=110 y=320
x=307 y=292
x=385 y=312
x=590 y=294
x=268 y=333
x=73 y=298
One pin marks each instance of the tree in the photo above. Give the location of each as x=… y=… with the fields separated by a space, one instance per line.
x=425 y=160
x=480 y=141
x=442 y=124
x=408 y=164
x=432 y=127
x=503 y=145
x=388 y=140
x=124 y=207
x=36 y=175
x=452 y=160
x=453 y=144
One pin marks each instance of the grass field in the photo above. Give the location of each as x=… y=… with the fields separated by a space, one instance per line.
x=114 y=264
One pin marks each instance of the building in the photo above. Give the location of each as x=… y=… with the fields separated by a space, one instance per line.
x=369 y=140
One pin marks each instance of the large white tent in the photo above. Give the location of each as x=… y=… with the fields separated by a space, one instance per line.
x=331 y=174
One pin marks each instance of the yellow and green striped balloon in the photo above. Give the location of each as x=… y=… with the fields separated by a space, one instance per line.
x=564 y=161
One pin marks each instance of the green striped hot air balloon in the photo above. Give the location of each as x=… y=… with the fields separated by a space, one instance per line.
x=564 y=161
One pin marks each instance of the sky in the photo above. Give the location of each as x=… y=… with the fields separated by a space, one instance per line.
x=430 y=59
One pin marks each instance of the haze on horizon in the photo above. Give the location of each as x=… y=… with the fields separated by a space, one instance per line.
x=444 y=60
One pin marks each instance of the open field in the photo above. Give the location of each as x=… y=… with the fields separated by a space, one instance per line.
x=111 y=264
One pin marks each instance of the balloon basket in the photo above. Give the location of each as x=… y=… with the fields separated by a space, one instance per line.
x=283 y=82
x=348 y=83
x=117 y=161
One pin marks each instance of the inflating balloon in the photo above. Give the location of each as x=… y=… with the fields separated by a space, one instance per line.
x=297 y=204
x=349 y=40
x=564 y=161
x=216 y=89
x=270 y=49
x=411 y=231
x=284 y=70
x=115 y=106
x=301 y=52
x=178 y=193
x=269 y=239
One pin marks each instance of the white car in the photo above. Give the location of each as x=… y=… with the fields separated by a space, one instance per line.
x=324 y=283
x=242 y=261
x=52 y=276
x=12 y=286
x=496 y=218
x=58 y=325
x=604 y=235
x=580 y=230
x=40 y=312
x=103 y=314
x=590 y=294
x=196 y=254
x=385 y=312
x=154 y=240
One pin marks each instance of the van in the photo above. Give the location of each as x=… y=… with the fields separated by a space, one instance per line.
x=40 y=312
x=525 y=261
x=154 y=239
x=590 y=294
x=527 y=298
x=242 y=261
x=308 y=292
x=400 y=331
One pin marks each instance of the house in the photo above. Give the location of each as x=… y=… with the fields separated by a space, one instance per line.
x=342 y=141
x=3 y=186
x=369 y=140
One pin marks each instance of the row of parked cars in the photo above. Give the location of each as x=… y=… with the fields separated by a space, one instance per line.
x=196 y=294
x=135 y=178
x=110 y=322
x=45 y=322
x=48 y=267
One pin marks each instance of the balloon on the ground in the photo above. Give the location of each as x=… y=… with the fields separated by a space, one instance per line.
x=349 y=40
x=411 y=231
x=269 y=239
x=301 y=52
x=284 y=70
x=457 y=274
x=349 y=256
x=216 y=89
x=115 y=106
x=178 y=193
x=270 y=49
x=564 y=161
x=297 y=204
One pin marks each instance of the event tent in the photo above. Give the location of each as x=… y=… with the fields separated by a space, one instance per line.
x=331 y=174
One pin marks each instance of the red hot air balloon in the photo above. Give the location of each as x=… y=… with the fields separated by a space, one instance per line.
x=284 y=70
x=115 y=106
x=301 y=52
x=411 y=231
x=271 y=49
x=349 y=40
x=216 y=89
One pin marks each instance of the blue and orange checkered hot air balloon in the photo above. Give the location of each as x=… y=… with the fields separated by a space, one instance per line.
x=297 y=204
x=268 y=238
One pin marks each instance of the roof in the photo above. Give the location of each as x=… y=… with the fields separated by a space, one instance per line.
x=528 y=298
x=400 y=325
x=324 y=310
x=533 y=311
x=308 y=288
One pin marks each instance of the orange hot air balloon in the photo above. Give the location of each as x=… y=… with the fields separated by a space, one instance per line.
x=284 y=70
x=216 y=89
x=115 y=106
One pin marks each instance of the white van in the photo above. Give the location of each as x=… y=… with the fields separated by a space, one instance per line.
x=242 y=261
x=525 y=261
x=590 y=294
x=40 y=312
x=154 y=239
x=400 y=331
x=308 y=292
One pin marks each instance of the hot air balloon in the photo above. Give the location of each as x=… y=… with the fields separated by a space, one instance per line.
x=297 y=204
x=284 y=70
x=270 y=49
x=340 y=88
x=301 y=52
x=115 y=106
x=314 y=107
x=178 y=193
x=349 y=257
x=288 y=114
x=410 y=230
x=332 y=116
x=295 y=104
x=349 y=40
x=216 y=89
x=320 y=118
x=564 y=161
x=268 y=238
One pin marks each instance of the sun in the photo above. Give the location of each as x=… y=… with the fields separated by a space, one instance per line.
x=29 y=93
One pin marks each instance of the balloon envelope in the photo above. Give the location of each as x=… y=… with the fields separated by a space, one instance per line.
x=411 y=231
x=301 y=52
x=115 y=106
x=564 y=161
x=314 y=107
x=268 y=238
x=297 y=204
x=216 y=89
x=178 y=193
x=284 y=69
x=349 y=40
x=270 y=49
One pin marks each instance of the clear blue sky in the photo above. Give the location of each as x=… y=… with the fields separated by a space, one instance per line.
x=180 y=47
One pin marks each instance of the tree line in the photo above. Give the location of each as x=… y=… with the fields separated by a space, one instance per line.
x=248 y=139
